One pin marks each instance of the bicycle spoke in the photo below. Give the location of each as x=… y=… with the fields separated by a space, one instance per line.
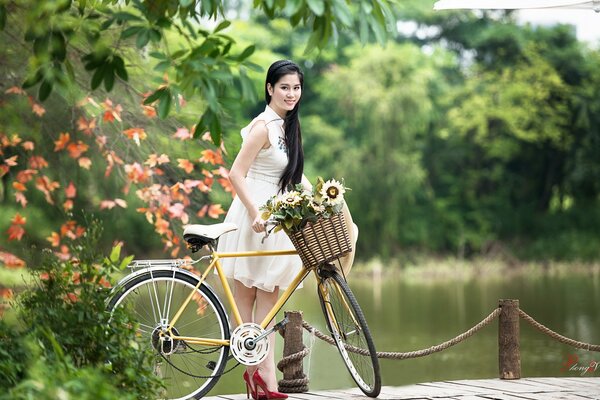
x=183 y=367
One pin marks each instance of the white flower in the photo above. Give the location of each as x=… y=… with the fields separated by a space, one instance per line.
x=333 y=191
x=291 y=198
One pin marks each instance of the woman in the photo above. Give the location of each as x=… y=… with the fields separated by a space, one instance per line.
x=270 y=160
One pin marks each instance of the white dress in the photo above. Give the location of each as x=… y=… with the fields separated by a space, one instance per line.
x=262 y=179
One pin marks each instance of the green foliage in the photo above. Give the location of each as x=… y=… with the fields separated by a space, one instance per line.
x=206 y=65
x=67 y=342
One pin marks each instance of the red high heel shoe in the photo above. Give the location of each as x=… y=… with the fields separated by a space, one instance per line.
x=259 y=382
x=249 y=388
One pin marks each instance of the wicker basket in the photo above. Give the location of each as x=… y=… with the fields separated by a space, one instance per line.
x=322 y=241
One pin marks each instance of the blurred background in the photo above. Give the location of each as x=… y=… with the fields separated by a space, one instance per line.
x=470 y=140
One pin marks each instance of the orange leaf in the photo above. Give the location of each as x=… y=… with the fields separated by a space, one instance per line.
x=154 y=160
x=21 y=199
x=186 y=165
x=18 y=186
x=121 y=203
x=149 y=111
x=37 y=162
x=18 y=219
x=211 y=157
x=85 y=163
x=182 y=134
x=77 y=149
x=63 y=140
x=25 y=175
x=226 y=184
x=46 y=186
x=36 y=108
x=135 y=134
x=15 y=232
x=213 y=211
x=4 y=170
x=101 y=141
x=137 y=173
x=70 y=191
x=161 y=226
x=68 y=205
x=14 y=90
x=177 y=210
x=11 y=261
x=111 y=113
x=6 y=293
x=104 y=204
x=11 y=161
x=86 y=126
x=54 y=239
x=28 y=145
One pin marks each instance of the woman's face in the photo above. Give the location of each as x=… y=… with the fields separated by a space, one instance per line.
x=286 y=94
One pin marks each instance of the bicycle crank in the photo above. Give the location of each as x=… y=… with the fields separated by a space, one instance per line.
x=249 y=342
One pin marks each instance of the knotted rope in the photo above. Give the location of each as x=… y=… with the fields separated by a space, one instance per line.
x=299 y=385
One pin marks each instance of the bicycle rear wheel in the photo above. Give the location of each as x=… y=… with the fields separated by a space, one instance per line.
x=348 y=327
x=153 y=298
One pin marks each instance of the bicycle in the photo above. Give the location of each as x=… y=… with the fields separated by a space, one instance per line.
x=184 y=322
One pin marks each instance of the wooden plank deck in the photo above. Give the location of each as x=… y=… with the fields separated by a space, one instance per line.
x=481 y=389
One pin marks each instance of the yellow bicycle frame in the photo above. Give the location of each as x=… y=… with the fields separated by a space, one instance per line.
x=215 y=263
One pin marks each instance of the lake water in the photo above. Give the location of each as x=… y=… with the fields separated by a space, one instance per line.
x=410 y=315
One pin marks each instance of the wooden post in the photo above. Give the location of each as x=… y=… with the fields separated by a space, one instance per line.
x=294 y=380
x=509 y=353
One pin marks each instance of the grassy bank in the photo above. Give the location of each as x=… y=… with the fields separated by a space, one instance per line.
x=451 y=268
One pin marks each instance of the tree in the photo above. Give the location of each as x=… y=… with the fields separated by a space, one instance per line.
x=205 y=65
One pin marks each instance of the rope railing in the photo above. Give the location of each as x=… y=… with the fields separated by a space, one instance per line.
x=556 y=336
x=410 y=354
x=508 y=312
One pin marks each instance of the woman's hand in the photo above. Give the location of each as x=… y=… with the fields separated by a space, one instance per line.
x=258 y=224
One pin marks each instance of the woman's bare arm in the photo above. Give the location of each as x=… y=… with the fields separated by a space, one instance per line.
x=257 y=139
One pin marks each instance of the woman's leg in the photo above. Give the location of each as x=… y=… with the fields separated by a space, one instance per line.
x=245 y=298
x=264 y=303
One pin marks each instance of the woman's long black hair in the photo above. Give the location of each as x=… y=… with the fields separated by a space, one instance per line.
x=292 y=174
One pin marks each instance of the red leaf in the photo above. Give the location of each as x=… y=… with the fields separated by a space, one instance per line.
x=15 y=232
x=70 y=191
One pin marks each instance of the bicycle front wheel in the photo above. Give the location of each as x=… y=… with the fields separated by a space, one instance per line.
x=187 y=370
x=348 y=327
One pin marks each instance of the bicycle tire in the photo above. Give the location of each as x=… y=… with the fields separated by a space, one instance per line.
x=348 y=327
x=191 y=370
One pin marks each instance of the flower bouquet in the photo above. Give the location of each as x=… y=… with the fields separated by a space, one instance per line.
x=313 y=220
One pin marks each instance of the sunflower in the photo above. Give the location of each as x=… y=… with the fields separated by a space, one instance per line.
x=291 y=198
x=333 y=191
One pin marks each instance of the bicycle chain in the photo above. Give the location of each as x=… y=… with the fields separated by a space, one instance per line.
x=197 y=376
